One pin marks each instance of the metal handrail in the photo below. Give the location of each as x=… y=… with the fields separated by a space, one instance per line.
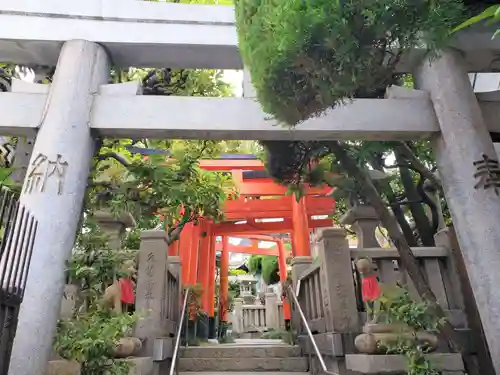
x=175 y=354
x=309 y=333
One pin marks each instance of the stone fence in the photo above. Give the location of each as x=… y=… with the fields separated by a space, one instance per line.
x=329 y=292
x=258 y=318
x=333 y=303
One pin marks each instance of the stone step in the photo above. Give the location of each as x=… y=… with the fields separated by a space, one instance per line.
x=262 y=364
x=246 y=351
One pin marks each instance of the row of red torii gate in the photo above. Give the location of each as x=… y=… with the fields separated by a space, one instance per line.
x=261 y=212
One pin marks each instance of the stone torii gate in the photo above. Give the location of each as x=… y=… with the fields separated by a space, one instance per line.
x=85 y=38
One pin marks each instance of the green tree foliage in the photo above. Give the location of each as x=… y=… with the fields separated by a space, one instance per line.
x=156 y=186
x=326 y=52
x=491 y=15
x=305 y=57
x=266 y=266
x=90 y=338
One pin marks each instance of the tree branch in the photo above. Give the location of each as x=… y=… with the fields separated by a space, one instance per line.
x=385 y=187
x=113 y=155
x=102 y=184
x=407 y=152
x=401 y=165
x=421 y=220
x=174 y=234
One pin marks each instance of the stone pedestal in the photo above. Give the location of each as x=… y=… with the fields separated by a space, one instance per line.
x=114 y=226
x=461 y=148
x=151 y=276
x=53 y=191
x=364 y=221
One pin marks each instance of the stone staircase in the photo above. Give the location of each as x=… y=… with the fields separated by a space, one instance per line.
x=243 y=356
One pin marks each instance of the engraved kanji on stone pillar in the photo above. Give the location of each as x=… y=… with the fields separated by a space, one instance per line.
x=151 y=288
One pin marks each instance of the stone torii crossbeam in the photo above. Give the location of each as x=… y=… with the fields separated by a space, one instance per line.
x=85 y=38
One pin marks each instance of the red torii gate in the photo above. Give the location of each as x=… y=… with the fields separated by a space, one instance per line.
x=259 y=199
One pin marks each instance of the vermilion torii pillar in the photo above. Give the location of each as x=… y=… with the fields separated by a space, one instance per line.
x=300 y=234
x=224 y=280
x=211 y=279
x=287 y=313
x=194 y=254
x=185 y=241
x=204 y=264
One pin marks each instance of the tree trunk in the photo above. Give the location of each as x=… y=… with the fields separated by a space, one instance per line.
x=422 y=224
x=407 y=152
x=384 y=187
x=408 y=260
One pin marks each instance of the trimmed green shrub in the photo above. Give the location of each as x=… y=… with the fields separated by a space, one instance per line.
x=265 y=265
x=306 y=56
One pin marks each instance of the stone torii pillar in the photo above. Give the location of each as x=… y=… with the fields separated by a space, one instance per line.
x=53 y=191
x=464 y=151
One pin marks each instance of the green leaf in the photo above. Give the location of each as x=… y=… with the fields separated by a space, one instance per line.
x=487 y=13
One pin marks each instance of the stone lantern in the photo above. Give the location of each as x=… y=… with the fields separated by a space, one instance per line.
x=246 y=284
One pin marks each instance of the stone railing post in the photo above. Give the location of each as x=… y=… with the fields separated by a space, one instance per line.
x=151 y=276
x=455 y=269
x=174 y=265
x=272 y=319
x=238 y=315
x=114 y=226
x=364 y=221
x=299 y=265
x=339 y=299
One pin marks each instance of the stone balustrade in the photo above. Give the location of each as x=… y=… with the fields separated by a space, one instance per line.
x=329 y=291
x=331 y=299
x=254 y=318
x=329 y=287
x=257 y=318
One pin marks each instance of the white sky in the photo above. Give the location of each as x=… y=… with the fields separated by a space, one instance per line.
x=235 y=78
